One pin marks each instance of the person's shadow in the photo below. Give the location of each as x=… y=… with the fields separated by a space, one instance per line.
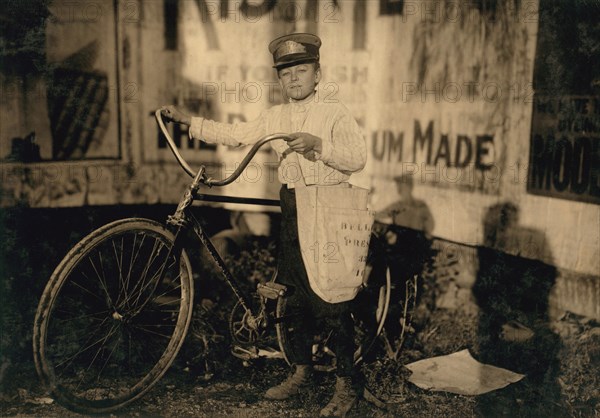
x=512 y=290
x=404 y=244
x=408 y=227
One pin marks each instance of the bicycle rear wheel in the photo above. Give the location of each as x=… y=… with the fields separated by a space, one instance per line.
x=370 y=311
x=113 y=316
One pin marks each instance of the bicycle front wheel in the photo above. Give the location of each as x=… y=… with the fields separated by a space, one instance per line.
x=113 y=316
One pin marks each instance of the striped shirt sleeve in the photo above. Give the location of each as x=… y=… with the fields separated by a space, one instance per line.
x=347 y=152
x=232 y=134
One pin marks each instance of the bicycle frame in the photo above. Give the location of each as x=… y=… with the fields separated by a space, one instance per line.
x=183 y=216
x=93 y=353
x=187 y=221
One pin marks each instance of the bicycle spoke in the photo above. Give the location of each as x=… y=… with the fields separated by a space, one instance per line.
x=170 y=302
x=80 y=317
x=133 y=258
x=85 y=289
x=107 y=359
x=103 y=275
x=169 y=290
x=110 y=333
x=113 y=316
x=101 y=282
x=142 y=277
x=136 y=304
x=144 y=274
x=159 y=273
x=154 y=325
x=81 y=351
x=119 y=261
x=168 y=337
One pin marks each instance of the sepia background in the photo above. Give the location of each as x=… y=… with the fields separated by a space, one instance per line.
x=487 y=112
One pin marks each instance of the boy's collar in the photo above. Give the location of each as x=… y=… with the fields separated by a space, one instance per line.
x=309 y=99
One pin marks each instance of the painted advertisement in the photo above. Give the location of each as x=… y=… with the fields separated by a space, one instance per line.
x=424 y=113
x=565 y=128
x=59 y=83
x=565 y=148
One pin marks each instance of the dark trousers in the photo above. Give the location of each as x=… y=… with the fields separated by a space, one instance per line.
x=306 y=312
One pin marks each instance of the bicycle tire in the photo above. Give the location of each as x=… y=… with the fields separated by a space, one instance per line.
x=365 y=342
x=105 y=333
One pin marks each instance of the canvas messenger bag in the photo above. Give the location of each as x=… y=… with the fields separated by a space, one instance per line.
x=334 y=228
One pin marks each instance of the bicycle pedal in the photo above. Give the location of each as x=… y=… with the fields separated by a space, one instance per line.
x=242 y=353
x=271 y=290
x=270 y=353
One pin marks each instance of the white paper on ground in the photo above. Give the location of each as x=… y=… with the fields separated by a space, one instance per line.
x=460 y=373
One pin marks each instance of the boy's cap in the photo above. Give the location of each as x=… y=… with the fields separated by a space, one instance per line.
x=294 y=48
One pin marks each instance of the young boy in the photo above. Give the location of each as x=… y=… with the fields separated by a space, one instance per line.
x=326 y=148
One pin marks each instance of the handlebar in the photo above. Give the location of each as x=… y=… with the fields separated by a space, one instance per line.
x=207 y=180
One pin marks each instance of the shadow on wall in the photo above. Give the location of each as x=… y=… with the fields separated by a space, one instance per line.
x=408 y=227
x=404 y=228
x=512 y=292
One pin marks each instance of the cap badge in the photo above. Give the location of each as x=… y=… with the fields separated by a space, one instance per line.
x=289 y=47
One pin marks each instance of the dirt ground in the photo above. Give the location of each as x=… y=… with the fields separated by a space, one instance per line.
x=234 y=388
x=561 y=359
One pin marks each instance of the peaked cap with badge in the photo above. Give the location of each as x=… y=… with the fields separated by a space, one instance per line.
x=294 y=49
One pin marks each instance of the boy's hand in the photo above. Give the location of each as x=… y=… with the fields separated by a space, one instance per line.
x=305 y=143
x=175 y=115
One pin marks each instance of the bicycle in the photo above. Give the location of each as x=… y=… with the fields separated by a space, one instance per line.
x=116 y=310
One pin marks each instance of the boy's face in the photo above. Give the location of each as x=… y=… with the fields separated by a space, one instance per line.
x=299 y=82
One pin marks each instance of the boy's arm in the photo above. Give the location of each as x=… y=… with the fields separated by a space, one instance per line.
x=233 y=134
x=347 y=151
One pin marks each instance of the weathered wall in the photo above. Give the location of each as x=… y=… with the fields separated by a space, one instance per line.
x=443 y=91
